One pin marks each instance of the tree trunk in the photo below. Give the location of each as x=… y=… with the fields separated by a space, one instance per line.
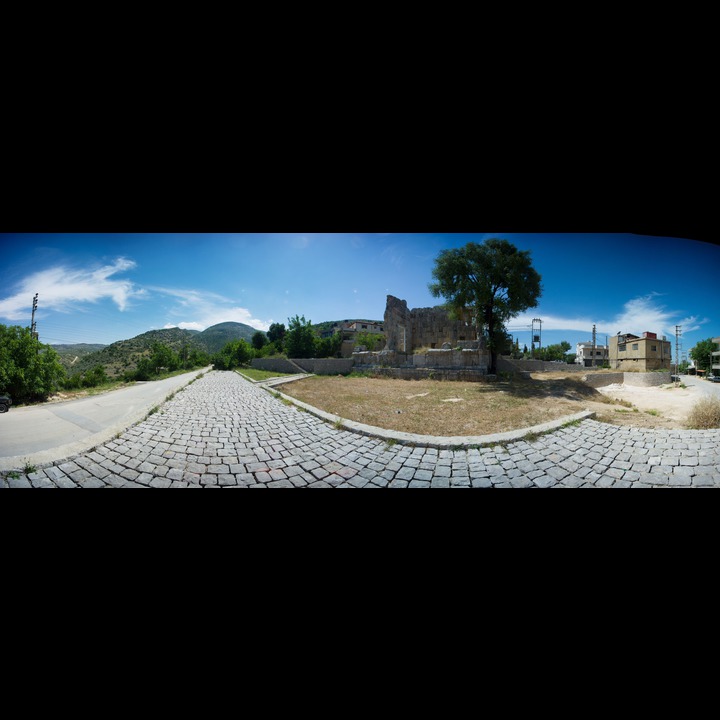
x=490 y=324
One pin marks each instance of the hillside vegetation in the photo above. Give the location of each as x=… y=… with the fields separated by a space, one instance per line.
x=124 y=355
x=70 y=355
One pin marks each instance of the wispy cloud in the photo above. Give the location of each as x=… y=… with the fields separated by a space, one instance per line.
x=198 y=310
x=66 y=289
x=638 y=315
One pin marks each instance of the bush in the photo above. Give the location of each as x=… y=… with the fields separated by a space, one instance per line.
x=705 y=414
x=235 y=354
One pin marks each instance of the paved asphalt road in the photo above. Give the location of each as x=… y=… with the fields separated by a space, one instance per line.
x=53 y=430
x=225 y=432
x=704 y=386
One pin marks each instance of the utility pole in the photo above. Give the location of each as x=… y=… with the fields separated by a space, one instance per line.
x=678 y=332
x=33 y=325
x=593 y=350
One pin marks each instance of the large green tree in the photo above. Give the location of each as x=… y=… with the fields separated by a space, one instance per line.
x=259 y=340
x=276 y=332
x=489 y=283
x=702 y=354
x=300 y=338
x=29 y=370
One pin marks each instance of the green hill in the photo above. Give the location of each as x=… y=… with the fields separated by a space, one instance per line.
x=217 y=336
x=72 y=354
x=124 y=354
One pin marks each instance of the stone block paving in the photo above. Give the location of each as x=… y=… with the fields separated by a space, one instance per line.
x=224 y=432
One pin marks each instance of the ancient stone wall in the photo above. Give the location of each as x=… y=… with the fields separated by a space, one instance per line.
x=418 y=373
x=407 y=330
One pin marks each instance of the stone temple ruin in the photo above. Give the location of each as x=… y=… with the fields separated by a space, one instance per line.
x=426 y=342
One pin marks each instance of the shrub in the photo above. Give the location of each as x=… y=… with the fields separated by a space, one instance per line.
x=705 y=414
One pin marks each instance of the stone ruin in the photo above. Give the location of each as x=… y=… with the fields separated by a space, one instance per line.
x=450 y=345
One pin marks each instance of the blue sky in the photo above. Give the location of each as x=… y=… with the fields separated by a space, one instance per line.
x=99 y=288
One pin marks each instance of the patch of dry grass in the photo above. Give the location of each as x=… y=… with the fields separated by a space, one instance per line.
x=430 y=407
x=705 y=414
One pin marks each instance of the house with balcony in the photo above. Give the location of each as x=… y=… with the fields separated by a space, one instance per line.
x=628 y=352
x=715 y=357
x=588 y=356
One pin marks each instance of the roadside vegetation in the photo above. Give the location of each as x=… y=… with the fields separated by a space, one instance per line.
x=705 y=415
x=299 y=340
x=31 y=372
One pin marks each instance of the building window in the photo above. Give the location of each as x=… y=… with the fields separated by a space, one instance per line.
x=621 y=348
x=635 y=346
x=653 y=348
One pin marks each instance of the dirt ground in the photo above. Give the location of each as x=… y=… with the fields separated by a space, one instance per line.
x=477 y=408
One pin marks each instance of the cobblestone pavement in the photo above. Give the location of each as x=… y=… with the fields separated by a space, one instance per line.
x=224 y=432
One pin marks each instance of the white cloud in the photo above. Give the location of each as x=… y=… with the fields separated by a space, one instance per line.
x=638 y=315
x=197 y=310
x=61 y=288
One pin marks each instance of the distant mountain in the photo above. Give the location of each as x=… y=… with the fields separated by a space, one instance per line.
x=124 y=354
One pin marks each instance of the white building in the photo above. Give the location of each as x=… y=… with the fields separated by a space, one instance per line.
x=584 y=354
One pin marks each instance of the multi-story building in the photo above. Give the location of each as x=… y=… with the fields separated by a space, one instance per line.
x=630 y=352
x=715 y=359
x=585 y=355
x=350 y=329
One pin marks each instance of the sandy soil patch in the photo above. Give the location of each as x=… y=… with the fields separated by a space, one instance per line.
x=672 y=404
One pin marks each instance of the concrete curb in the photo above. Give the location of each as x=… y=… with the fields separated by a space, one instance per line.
x=65 y=452
x=433 y=441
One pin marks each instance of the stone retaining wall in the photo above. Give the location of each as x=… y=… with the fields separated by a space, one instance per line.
x=319 y=366
x=505 y=364
x=649 y=379
x=414 y=373
x=646 y=379
x=597 y=380
x=478 y=359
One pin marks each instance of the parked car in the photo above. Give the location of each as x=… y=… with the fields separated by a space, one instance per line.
x=714 y=378
x=5 y=403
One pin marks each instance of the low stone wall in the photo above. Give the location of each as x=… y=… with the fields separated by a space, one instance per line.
x=597 y=380
x=476 y=359
x=505 y=364
x=636 y=379
x=413 y=373
x=273 y=365
x=647 y=379
x=319 y=366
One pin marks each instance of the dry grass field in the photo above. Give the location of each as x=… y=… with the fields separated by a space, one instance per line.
x=429 y=407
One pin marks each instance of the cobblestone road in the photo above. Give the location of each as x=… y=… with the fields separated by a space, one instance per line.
x=224 y=432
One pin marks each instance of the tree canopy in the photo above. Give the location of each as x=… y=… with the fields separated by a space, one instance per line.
x=29 y=370
x=300 y=338
x=702 y=354
x=489 y=282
